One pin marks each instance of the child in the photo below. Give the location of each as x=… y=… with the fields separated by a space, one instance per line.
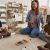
x=47 y=27
x=3 y=32
x=47 y=33
x=9 y=19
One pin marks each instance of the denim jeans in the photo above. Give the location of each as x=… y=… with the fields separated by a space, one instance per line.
x=43 y=37
x=26 y=30
x=33 y=32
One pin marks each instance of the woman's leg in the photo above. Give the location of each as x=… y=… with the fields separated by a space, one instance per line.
x=25 y=30
x=35 y=32
x=43 y=37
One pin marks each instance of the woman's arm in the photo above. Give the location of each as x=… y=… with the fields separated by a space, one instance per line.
x=27 y=18
x=41 y=17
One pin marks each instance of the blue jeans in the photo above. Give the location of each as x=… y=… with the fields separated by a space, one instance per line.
x=43 y=37
x=33 y=32
x=26 y=30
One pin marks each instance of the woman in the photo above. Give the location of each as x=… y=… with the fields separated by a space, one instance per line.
x=33 y=19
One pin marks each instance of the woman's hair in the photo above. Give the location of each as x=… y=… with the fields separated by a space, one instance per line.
x=37 y=9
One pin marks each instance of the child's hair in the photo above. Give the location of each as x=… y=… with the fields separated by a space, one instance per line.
x=0 y=24
x=8 y=14
x=48 y=18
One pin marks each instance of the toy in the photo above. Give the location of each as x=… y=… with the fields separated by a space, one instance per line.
x=21 y=42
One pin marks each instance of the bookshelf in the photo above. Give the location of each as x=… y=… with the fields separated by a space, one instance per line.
x=16 y=8
x=2 y=13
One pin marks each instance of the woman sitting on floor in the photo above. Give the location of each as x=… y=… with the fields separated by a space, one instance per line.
x=34 y=18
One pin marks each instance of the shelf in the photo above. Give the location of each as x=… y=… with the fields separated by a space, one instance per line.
x=3 y=21
x=2 y=7
x=13 y=7
x=3 y=12
x=2 y=17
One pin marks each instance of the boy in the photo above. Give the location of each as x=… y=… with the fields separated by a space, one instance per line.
x=47 y=33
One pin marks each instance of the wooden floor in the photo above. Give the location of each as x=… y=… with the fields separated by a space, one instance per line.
x=10 y=42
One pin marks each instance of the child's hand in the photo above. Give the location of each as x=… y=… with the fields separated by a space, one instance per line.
x=46 y=33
